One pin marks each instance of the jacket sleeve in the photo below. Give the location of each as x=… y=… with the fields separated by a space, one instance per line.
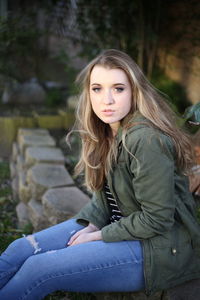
x=153 y=184
x=94 y=212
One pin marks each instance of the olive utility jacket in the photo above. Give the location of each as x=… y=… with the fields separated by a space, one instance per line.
x=156 y=205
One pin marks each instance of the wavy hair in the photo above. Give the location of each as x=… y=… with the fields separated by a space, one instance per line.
x=99 y=149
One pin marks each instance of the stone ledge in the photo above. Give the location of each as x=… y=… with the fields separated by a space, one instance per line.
x=36 y=215
x=51 y=155
x=35 y=141
x=61 y=204
x=45 y=176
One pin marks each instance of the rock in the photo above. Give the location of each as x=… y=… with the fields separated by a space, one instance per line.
x=72 y=102
x=15 y=152
x=31 y=131
x=22 y=214
x=26 y=141
x=44 y=176
x=61 y=204
x=13 y=169
x=35 y=155
x=24 y=189
x=24 y=93
x=54 y=85
x=15 y=188
x=20 y=163
x=36 y=215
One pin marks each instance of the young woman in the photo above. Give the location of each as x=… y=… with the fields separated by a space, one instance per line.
x=139 y=231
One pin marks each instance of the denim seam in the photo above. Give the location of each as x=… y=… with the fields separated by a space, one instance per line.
x=39 y=282
x=4 y=274
x=136 y=259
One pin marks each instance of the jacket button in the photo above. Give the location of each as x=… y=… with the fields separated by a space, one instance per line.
x=174 y=251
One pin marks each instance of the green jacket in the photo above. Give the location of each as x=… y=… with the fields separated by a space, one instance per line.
x=157 y=206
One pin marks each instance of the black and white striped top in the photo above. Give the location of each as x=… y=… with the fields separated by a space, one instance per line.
x=112 y=203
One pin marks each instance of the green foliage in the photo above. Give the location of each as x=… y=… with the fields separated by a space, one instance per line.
x=131 y=26
x=173 y=91
x=81 y=296
x=70 y=71
x=4 y=171
x=71 y=296
x=53 y=98
x=19 y=51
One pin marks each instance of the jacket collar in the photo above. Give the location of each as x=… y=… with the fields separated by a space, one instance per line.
x=137 y=117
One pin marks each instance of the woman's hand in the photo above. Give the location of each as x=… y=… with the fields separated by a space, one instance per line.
x=87 y=234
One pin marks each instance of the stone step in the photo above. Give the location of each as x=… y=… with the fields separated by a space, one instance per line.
x=24 y=188
x=43 y=176
x=36 y=215
x=61 y=204
x=34 y=140
x=15 y=152
x=15 y=188
x=22 y=214
x=20 y=163
x=31 y=131
x=35 y=155
x=13 y=169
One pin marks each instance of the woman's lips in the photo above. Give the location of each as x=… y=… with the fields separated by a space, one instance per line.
x=108 y=112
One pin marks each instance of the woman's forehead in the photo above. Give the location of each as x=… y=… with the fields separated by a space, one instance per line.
x=101 y=74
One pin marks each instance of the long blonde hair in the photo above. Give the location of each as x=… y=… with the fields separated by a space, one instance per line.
x=98 y=145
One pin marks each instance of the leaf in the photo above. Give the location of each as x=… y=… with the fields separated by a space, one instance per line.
x=3 y=200
x=192 y=114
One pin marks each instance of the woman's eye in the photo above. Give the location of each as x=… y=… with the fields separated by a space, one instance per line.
x=96 y=89
x=119 y=89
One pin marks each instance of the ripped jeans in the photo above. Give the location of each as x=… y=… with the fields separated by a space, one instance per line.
x=37 y=265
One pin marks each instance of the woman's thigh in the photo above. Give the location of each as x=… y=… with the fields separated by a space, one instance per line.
x=57 y=236
x=90 y=267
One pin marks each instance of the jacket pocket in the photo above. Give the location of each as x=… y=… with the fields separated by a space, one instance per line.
x=172 y=252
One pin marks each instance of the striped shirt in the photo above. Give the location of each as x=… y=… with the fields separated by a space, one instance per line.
x=115 y=213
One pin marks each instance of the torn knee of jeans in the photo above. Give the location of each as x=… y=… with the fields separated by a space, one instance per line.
x=33 y=243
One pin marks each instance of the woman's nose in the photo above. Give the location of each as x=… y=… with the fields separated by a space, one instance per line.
x=108 y=98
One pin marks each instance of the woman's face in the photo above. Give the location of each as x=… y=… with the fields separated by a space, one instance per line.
x=110 y=95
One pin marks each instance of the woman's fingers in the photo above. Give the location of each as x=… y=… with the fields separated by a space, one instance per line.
x=76 y=235
x=83 y=238
x=90 y=228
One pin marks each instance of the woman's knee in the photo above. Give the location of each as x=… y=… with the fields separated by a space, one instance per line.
x=20 y=249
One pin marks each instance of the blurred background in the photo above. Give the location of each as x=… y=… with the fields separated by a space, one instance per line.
x=47 y=42
x=43 y=46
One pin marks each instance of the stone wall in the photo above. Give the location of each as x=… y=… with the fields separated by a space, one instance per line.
x=45 y=190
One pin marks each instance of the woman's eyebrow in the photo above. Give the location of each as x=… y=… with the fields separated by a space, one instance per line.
x=120 y=83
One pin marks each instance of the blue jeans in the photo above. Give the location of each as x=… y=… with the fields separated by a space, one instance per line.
x=37 y=265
